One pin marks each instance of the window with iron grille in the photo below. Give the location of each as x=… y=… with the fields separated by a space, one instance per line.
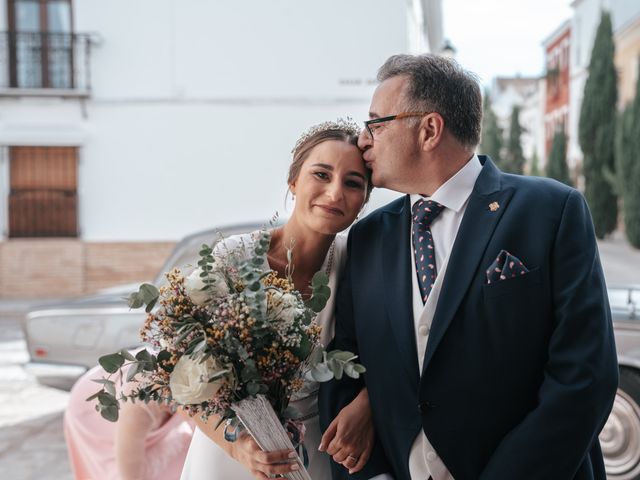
x=40 y=41
x=43 y=196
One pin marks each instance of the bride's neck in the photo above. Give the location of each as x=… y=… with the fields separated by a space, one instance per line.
x=309 y=248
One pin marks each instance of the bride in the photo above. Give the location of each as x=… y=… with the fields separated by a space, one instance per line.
x=330 y=185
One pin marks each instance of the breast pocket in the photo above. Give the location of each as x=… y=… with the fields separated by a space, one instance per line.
x=512 y=286
x=515 y=312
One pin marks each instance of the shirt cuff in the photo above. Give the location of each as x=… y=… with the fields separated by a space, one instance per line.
x=382 y=476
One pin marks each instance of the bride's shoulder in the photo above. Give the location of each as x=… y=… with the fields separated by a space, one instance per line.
x=340 y=246
x=341 y=243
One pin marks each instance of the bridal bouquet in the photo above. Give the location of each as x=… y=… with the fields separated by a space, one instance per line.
x=232 y=340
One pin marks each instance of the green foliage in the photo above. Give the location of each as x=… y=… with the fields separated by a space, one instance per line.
x=108 y=399
x=513 y=157
x=147 y=295
x=596 y=131
x=491 y=141
x=334 y=364
x=557 y=164
x=320 y=292
x=534 y=171
x=628 y=167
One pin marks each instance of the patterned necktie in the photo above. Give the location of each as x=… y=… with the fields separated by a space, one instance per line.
x=424 y=212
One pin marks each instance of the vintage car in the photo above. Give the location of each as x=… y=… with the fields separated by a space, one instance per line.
x=66 y=339
x=620 y=437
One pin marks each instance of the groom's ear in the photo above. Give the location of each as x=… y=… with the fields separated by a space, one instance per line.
x=431 y=131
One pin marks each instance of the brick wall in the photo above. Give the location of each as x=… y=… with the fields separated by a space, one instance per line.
x=44 y=268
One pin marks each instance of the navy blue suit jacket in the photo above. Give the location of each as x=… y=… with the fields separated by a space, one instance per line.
x=519 y=376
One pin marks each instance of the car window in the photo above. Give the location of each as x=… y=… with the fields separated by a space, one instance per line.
x=185 y=254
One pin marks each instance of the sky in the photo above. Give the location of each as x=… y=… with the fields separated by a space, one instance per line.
x=502 y=37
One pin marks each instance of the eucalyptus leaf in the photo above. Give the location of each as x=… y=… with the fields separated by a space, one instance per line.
x=359 y=368
x=350 y=371
x=110 y=413
x=336 y=367
x=112 y=362
x=341 y=355
x=91 y=397
x=134 y=369
x=148 y=292
x=127 y=355
x=253 y=388
x=134 y=300
x=150 y=305
x=319 y=278
x=321 y=373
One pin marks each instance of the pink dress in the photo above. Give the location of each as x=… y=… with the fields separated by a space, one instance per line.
x=91 y=440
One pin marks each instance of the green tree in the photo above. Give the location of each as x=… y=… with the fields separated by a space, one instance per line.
x=596 y=130
x=557 y=165
x=628 y=167
x=513 y=157
x=534 y=171
x=491 y=142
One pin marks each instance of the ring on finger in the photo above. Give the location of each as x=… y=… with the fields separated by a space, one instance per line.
x=353 y=458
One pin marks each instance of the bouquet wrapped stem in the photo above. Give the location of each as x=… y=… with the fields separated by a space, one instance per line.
x=262 y=423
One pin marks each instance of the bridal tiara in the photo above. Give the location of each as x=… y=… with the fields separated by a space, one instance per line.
x=345 y=124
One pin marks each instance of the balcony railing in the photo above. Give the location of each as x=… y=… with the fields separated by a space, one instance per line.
x=37 y=61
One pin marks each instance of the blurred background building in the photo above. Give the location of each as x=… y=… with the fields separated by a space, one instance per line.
x=127 y=125
x=553 y=100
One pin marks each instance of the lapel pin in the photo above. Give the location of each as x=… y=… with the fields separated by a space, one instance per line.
x=493 y=206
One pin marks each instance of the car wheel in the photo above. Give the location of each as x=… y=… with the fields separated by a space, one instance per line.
x=620 y=437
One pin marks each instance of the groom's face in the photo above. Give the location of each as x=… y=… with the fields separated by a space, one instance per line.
x=391 y=154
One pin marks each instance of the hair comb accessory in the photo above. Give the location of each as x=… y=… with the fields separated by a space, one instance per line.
x=346 y=124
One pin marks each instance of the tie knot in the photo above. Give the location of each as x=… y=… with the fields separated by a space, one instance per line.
x=424 y=212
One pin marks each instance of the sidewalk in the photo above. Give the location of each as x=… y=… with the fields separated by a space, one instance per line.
x=620 y=261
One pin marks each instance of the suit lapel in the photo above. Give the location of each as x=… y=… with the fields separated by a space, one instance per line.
x=478 y=224
x=397 y=272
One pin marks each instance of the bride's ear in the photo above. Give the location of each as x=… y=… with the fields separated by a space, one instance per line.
x=292 y=188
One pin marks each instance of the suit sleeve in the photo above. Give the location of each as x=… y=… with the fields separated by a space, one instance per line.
x=581 y=374
x=335 y=395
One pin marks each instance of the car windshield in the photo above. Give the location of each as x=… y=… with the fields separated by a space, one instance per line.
x=185 y=254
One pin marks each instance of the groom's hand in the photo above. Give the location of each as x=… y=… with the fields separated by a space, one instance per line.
x=350 y=437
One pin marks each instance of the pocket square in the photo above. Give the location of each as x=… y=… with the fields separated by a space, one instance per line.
x=505 y=266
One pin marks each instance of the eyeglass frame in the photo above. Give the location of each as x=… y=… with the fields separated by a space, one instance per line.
x=390 y=118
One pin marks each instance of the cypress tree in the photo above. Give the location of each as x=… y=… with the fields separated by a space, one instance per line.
x=534 y=171
x=628 y=167
x=596 y=130
x=491 y=142
x=514 y=158
x=557 y=164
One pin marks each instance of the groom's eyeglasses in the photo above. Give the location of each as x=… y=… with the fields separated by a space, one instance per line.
x=372 y=125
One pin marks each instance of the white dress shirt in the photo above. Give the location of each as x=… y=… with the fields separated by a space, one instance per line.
x=454 y=196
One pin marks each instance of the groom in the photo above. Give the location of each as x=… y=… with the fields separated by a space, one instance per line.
x=477 y=301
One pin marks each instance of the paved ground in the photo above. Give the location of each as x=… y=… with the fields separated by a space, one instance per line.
x=31 y=440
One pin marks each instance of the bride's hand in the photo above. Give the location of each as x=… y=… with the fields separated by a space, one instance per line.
x=350 y=437
x=262 y=464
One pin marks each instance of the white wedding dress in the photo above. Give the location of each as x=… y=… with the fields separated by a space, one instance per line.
x=205 y=459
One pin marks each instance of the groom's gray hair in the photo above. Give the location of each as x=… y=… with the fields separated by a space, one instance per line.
x=439 y=84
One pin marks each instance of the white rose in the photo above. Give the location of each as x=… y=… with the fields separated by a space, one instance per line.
x=285 y=306
x=194 y=285
x=189 y=381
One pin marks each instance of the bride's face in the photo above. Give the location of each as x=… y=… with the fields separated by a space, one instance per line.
x=331 y=187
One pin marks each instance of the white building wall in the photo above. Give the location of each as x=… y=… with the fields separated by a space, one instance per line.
x=196 y=105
